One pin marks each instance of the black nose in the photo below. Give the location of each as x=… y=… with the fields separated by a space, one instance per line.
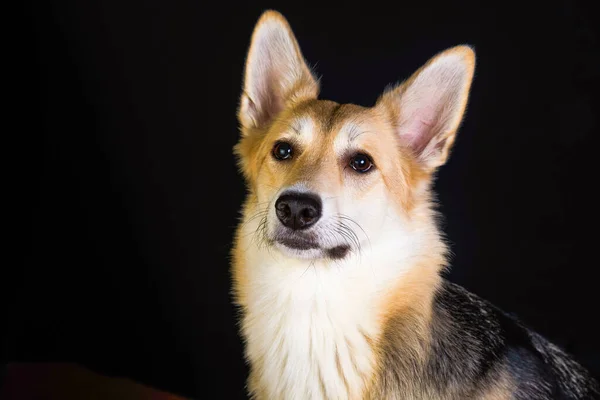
x=298 y=210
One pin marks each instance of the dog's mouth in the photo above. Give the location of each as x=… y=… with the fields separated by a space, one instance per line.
x=298 y=243
x=307 y=245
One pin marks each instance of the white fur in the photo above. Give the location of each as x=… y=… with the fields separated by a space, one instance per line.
x=347 y=134
x=299 y=313
x=302 y=129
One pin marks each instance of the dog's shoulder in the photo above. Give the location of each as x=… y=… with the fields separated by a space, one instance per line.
x=472 y=340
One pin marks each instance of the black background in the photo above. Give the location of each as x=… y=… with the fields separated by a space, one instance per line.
x=126 y=191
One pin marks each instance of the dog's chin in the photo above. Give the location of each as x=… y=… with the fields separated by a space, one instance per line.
x=309 y=250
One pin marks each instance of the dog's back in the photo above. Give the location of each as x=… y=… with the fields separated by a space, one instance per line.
x=478 y=351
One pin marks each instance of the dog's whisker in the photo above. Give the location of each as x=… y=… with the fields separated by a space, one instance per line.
x=345 y=217
x=350 y=232
x=253 y=217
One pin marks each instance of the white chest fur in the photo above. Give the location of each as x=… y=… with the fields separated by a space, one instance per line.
x=308 y=331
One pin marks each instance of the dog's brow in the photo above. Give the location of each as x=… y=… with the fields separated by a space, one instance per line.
x=348 y=133
x=354 y=132
x=298 y=125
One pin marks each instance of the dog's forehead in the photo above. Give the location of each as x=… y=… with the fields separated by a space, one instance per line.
x=329 y=121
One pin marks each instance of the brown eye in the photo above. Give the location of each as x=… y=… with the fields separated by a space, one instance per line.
x=282 y=151
x=361 y=163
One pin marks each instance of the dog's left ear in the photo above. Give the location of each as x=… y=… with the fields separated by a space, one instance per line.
x=427 y=109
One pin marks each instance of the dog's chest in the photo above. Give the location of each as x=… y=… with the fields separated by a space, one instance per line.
x=309 y=339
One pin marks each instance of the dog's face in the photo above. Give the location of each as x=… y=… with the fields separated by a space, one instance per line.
x=321 y=177
x=328 y=177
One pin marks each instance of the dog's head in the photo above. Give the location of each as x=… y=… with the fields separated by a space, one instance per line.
x=326 y=177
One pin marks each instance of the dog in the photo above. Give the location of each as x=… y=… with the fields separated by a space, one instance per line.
x=337 y=258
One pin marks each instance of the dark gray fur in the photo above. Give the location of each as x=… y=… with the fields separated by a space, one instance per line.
x=474 y=345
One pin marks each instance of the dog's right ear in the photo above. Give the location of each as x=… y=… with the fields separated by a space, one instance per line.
x=276 y=74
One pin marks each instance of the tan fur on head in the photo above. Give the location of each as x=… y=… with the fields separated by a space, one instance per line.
x=314 y=325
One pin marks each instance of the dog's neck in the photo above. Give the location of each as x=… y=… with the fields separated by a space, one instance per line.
x=312 y=327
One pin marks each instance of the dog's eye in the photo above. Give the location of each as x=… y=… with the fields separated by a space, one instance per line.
x=361 y=163
x=282 y=151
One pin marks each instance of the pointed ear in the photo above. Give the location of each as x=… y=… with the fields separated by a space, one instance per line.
x=427 y=109
x=276 y=74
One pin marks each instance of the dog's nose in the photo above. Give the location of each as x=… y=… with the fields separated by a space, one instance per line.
x=298 y=210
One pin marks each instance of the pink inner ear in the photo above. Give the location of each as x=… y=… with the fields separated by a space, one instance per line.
x=419 y=128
